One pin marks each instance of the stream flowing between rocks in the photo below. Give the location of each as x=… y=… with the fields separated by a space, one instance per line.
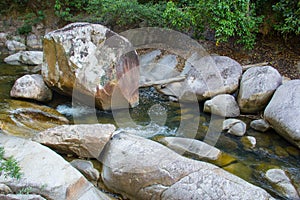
x=156 y=117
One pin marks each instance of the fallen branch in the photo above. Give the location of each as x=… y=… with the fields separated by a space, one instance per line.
x=165 y=81
x=245 y=67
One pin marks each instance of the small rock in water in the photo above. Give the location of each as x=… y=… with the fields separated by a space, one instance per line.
x=293 y=151
x=283 y=182
x=31 y=87
x=281 y=152
x=235 y=127
x=223 y=105
x=249 y=142
x=260 y=125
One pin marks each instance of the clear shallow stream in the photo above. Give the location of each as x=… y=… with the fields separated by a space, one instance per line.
x=156 y=116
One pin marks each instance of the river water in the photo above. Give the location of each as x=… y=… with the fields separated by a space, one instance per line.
x=156 y=116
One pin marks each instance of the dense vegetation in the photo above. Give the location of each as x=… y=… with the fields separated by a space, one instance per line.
x=241 y=20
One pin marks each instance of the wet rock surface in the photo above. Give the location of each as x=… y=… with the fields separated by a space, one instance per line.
x=282 y=181
x=25 y=119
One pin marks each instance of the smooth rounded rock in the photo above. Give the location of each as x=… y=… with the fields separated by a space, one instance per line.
x=283 y=111
x=31 y=87
x=257 y=87
x=235 y=127
x=282 y=181
x=223 y=105
x=46 y=172
x=211 y=75
x=139 y=168
x=260 y=125
x=191 y=146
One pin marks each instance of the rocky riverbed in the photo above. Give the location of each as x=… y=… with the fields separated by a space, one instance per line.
x=214 y=131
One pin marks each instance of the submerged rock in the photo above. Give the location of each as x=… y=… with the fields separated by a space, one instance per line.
x=260 y=125
x=25 y=58
x=100 y=65
x=257 y=87
x=45 y=172
x=25 y=119
x=139 y=168
x=283 y=111
x=223 y=105
x=31 y=87
x=83 y=140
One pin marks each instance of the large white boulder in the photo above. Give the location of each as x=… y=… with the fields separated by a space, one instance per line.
x=45 y=172
x=139 y=168
x=31 y=87
x=83 y=140
x=257 y=87
x=213 y=75
x=100 y=65
x=25 y=58
x=283 y=111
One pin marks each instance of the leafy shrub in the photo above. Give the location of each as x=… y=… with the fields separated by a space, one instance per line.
x=288 y=16
x=124 y=13
x=178 y=18
x=30 y=20
x=231 y=19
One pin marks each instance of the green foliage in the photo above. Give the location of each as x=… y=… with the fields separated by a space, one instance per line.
x=289 y=16
x=9 y=167
x=124 y=13
x=231 y=19
x=238 y=19
x=66 y=9
x=178 y=18
x=30 y=20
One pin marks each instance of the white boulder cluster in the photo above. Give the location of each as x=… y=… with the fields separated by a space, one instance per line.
x=82 y=55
